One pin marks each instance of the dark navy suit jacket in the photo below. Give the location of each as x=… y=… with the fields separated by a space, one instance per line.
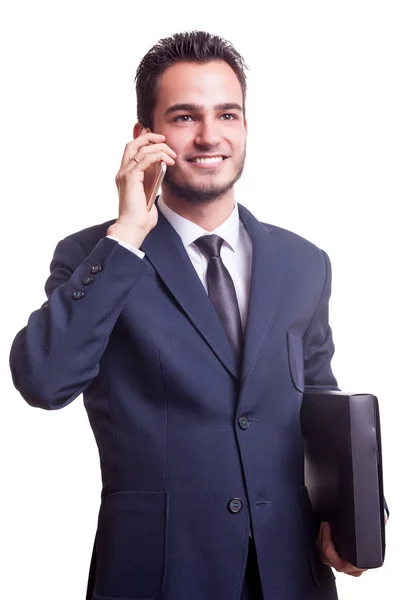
x=166 y=401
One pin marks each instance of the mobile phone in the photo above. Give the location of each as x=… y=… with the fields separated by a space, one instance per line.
x=161 y=170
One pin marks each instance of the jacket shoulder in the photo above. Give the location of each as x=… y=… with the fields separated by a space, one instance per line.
x=89 y=237
x=292 y=240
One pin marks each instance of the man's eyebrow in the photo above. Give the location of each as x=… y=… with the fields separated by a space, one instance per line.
x=200 y=108
x=229 y=106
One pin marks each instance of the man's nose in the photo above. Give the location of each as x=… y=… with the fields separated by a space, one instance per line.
x=207 y=133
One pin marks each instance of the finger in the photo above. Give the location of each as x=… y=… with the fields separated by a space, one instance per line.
x=328 y=550
x=154 y=148
x=323 y=537
x=137 y=169
x=132 y=148
x=321 y=544
x=331 y=559
x=350 y=569
x=152 y=158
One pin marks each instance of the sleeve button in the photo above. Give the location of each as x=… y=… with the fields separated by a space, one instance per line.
x=78 y=294
x=88 y=280
x=96 y=268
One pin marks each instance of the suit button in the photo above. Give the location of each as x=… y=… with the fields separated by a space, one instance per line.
x=235 y=505
x=88 y=280
x=77 y=295
x=244 y=423
x=96 y=268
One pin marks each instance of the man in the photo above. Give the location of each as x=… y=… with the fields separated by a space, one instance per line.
x=192 y=330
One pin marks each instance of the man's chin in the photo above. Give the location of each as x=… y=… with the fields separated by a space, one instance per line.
x=198 y=194
x=203 y=193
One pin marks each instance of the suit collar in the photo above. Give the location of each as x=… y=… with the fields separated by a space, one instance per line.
x=189 y=231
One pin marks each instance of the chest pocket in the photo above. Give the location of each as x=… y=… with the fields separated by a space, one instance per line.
x=296 y=360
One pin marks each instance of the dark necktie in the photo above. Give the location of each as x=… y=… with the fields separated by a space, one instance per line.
x=222 y=291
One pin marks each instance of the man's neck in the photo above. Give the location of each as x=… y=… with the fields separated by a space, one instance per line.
x=208 y=216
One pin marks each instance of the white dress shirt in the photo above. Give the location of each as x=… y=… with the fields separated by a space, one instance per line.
x=236 y=250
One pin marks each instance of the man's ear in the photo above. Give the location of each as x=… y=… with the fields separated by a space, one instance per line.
x=139 y=129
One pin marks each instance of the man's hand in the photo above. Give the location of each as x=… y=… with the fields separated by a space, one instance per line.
x=330 y=557
x=140 y=157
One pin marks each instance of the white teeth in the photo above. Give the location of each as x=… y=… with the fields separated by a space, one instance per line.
x=212 y=159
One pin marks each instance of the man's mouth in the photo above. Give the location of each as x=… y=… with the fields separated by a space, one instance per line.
x=207 y=160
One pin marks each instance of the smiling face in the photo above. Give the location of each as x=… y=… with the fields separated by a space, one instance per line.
x=199 y=109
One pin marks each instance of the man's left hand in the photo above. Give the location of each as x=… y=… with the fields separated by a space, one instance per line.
x=330 y=557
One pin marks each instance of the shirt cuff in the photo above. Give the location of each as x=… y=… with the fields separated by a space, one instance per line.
x=136 y=251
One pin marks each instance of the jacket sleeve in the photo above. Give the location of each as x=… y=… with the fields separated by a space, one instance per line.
x=318 y=345
x=56 y=355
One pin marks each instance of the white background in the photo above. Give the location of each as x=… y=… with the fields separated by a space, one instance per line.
x=323 y=161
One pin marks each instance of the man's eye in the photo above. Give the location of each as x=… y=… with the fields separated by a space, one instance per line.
x=228 y=117
x=183 y=119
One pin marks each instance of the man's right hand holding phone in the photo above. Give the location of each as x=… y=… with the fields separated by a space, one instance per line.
x=134 y=179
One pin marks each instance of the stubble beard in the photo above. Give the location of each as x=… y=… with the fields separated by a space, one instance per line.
x=202 y=194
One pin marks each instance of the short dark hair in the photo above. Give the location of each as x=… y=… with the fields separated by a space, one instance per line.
x=193 y=46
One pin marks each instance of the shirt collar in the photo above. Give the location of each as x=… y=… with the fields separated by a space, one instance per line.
x=189 y=231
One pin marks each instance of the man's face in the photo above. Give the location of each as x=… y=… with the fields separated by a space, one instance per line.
x=199 y=109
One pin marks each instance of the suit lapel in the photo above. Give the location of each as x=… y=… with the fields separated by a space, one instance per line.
x=264 y=286
x=164 y=249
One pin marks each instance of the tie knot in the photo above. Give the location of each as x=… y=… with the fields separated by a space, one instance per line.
x=210 y=245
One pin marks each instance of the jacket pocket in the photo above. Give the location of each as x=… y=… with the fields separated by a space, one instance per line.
x=320 y=572
x=296 y=360
x=131 y=546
